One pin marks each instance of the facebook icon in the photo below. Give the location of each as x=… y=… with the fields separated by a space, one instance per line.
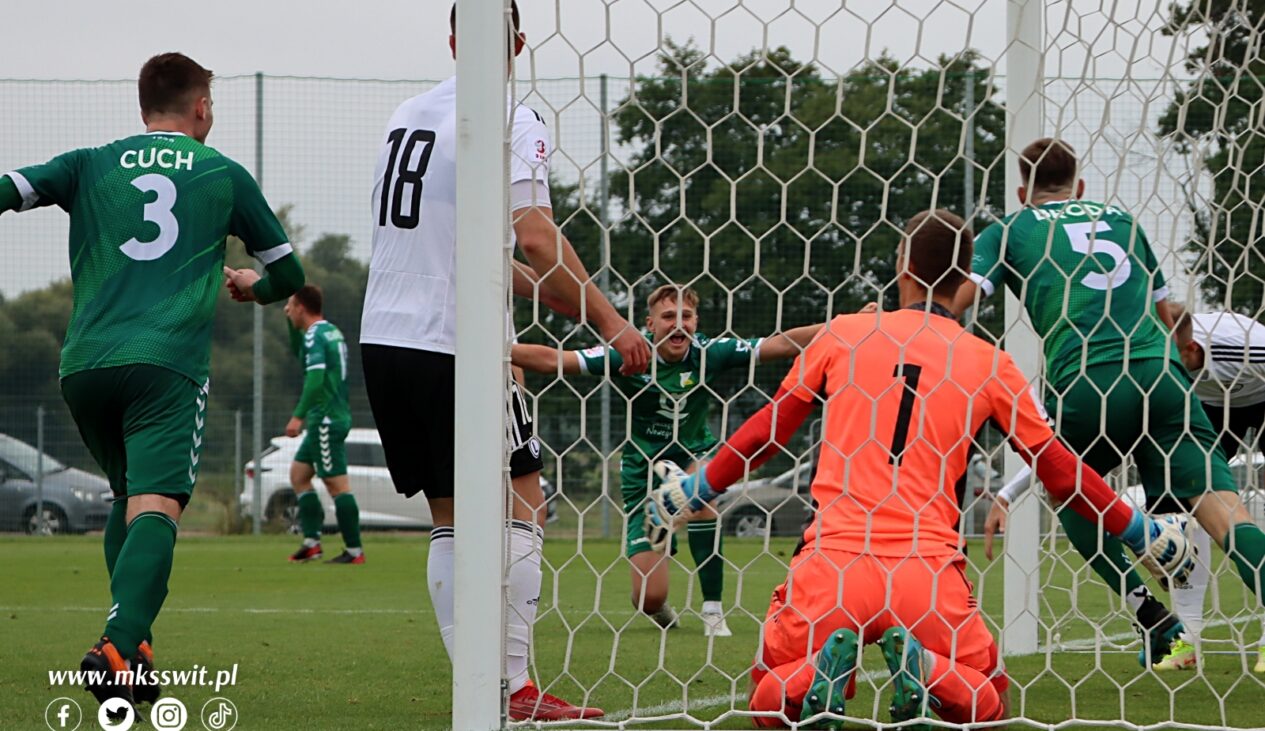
x=63 y=714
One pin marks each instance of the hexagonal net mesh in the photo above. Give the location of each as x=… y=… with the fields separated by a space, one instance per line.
x=768 y=157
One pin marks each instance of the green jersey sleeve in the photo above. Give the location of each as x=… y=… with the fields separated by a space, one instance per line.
x=254 y=222
x=986 y=266
x=1159 y=288
x=296 y=339
x=52 y=184
x=592 y=360
x=726 y=353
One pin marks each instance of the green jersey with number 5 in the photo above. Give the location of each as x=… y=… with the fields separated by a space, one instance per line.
x=149 y=216
x=1088 y=279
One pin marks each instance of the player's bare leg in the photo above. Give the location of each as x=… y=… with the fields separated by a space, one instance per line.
x=348 y=514
x=649 y=576
x=311 y=514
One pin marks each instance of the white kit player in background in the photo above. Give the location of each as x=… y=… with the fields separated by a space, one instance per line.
x=1225 y=354
x=408 y=344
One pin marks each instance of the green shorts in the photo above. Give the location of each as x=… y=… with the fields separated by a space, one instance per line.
x=636 y=480
x=325 y=447
x=1104 y=414
x=143 y=425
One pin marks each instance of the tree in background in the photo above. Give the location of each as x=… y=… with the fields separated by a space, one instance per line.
x=1216 y=119
x=768 y=187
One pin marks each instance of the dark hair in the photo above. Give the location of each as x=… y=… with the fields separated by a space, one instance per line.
x=676 y=293
x=1055 y=163
x=170 y=82
x=310 y=296
x=938 y=250
x=452 y=17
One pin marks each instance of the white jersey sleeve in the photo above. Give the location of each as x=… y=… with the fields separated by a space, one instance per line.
x=530 y=148
x=1233 y=375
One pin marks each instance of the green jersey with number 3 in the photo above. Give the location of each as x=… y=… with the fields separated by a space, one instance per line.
x=1088 y=279
x=149 y=215
x=322 y=348
x=671 y=409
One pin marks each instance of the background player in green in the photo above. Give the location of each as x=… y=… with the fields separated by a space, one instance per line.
x=1093 y=290
x=670 y=421
x=149 y=216
x=324 y=413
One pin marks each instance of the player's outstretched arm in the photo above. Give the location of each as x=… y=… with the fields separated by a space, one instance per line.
x=552 y=257
x=544 y=359
x=528 y=286
x=965 y=297
x=756 y=442
x=788 y=344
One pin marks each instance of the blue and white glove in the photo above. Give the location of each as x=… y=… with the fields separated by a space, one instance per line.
x=678 y=492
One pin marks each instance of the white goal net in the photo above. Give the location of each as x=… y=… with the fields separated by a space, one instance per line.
x=768 y=154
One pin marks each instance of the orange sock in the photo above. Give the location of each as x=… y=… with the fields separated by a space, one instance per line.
x=965 y=694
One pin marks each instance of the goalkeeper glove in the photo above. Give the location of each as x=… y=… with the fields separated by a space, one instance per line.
x=677 y=493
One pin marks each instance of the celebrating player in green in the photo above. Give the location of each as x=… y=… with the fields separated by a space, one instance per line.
x=1094 y=292
x=324 y=411
x=149 y=216
x=670 y=421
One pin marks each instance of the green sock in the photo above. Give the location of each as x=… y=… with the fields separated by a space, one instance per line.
x=1245 y=545
x=311 y=515
x=707 y=548
x=1112 y=562
x=115 y=534
x=348 y=519
x=139 y=584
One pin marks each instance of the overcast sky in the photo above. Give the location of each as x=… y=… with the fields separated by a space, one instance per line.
x=322 y=136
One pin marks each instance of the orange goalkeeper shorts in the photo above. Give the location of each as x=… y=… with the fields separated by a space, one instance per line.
x=829 y=590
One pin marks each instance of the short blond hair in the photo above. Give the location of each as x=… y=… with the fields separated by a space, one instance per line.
x=673 y=292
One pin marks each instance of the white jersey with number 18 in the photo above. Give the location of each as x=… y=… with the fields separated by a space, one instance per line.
x=411 y=298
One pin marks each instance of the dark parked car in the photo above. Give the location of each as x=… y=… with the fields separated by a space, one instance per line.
x=74 y=501
x=782 y=503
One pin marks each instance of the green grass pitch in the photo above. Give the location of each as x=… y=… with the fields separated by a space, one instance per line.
x=356 y=647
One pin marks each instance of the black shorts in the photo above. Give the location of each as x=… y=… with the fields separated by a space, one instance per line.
x=412 y=394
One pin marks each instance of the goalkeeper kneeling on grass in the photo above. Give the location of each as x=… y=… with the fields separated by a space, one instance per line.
x=882 y=561
x=670 y=412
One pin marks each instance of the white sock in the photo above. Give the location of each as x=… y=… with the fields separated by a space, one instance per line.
x=712 y=608
x=439 y=571
x=526 y=541
x=1136 y=597
x=1188 y=603
x=311 y=542
x=355 y=551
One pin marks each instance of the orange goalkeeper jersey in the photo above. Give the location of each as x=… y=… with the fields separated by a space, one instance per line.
x=904 y=393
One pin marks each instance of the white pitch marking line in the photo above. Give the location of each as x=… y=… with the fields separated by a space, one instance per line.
x=676 y=707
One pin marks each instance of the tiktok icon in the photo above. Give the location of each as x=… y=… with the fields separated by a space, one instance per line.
x=219 y=714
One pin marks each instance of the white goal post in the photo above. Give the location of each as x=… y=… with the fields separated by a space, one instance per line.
x=767 y=153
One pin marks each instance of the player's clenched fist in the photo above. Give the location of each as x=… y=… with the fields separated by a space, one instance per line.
x=241 y=283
